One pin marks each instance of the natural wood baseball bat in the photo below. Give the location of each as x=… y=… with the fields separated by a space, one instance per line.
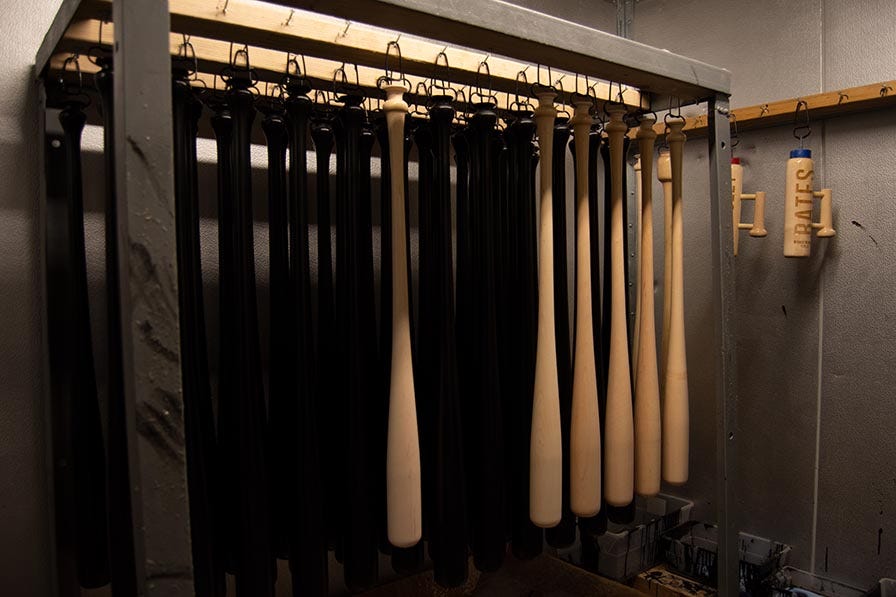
x=403 y=503
x=798 y=199
x=592 y=526
x=546 y=451
x=564 y=534
x=85 y=426
x=664 y=175
x=647 y=388
x=757 y=228
x=585 y=439
x=618 y=438
x=402 y=559
x=405 y=560
x=675 y=389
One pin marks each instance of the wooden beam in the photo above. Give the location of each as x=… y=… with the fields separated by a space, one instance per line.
x=268 y=26
x=68 y=12
x=207 y=79
x=213 y=55
x=821 y=106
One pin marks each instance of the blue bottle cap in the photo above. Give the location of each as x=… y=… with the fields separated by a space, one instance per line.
x=801 y=153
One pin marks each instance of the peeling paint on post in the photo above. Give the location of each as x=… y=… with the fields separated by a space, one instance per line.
x=153 y=394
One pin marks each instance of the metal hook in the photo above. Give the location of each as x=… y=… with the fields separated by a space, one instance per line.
x=885 y=89
x=559 y=83
x=804 y=126
x=620 y=95
x=488 y=74
x=389 y=72
x=340 y=71
x=186 y=51
x=677 y=113
x=73 y=59
x=842 y=96
x=234 y=57
x=292 y=61
x=344 y=31
x=538 y=76
x=735 y=137
x=521 y=78
x=441 y=83
x=289 y=18
x=576 y=91
x=226 y=3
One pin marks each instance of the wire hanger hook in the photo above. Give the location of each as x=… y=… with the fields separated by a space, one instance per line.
x=801 y=129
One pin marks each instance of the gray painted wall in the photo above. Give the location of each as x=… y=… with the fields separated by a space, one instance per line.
x=816 y=466
x=815 y=416
x=24 y=540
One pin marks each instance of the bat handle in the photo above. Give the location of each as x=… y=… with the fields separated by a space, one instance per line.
x=758 y=229
x=825 y=225
x=737 y=175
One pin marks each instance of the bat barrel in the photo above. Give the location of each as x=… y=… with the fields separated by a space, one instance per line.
x=546 y=453
x=619 y=434
x=676 y=419
x=647 y=389
x=585 y=437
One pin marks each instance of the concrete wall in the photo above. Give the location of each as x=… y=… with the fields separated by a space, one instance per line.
x=24 y=497
x=816 y=336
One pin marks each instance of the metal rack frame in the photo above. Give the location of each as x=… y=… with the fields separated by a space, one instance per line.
x=148 y=287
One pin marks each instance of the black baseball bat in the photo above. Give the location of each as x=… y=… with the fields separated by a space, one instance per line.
x=88 y=450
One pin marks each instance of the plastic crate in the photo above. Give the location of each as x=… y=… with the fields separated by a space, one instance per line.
x=886 y=587
x=624 y=551
x=691 y=549
x=792 y=582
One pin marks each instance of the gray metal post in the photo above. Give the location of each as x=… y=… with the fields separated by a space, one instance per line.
x=66 y=568
x=149 y=304
x=723 y=284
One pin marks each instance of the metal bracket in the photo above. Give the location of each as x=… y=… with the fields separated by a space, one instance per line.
x=625 y=17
